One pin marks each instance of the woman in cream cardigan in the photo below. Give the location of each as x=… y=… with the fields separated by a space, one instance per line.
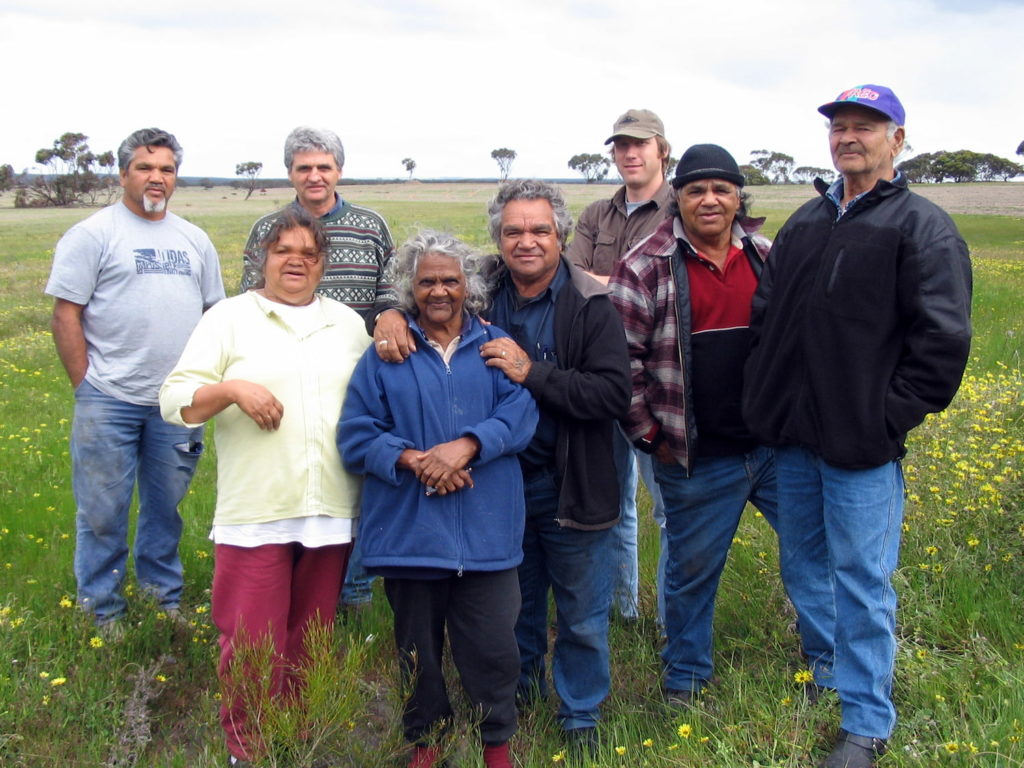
x=273 y=366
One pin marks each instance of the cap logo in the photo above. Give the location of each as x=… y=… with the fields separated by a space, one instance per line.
x=858 y=93
x=629 y=119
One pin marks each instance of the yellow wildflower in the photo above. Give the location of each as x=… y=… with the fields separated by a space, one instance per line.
x=96 y=642
x=684 y=730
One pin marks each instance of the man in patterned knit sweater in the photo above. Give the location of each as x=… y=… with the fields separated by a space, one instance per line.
x=358 y=248
x=358 y=240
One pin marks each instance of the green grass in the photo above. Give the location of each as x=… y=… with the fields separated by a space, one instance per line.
x=67 y=700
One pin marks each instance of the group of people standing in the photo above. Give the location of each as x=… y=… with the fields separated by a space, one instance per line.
x=481 y=451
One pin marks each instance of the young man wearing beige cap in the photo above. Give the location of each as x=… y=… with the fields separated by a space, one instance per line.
x=606 y=231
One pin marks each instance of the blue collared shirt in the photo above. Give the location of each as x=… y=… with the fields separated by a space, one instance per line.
x=835 y=194
x=531 y=323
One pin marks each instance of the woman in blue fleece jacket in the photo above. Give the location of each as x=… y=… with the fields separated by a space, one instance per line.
x=442 y=510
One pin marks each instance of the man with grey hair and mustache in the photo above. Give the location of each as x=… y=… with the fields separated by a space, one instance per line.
x=129 y=285
x=860 y=327
x=359 y=246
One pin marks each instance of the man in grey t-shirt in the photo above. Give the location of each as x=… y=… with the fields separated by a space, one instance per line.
x=130 y=283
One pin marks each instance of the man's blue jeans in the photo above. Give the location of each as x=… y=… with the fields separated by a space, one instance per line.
x=701 y=515
x=839 y=537
x=358 y=586
x=625 y=560
x=574 y=565
x=645 y=463
x=113 y=444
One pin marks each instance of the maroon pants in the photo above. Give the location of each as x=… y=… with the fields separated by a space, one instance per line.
x=274 y=591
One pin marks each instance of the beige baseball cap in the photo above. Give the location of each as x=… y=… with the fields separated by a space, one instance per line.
x=638 y=123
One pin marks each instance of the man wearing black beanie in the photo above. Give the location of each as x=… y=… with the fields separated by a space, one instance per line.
x=684 y=295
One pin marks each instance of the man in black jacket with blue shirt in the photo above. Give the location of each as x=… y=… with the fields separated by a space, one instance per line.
x=861 y=327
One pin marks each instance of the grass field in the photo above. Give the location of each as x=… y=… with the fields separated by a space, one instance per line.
x=69 y=699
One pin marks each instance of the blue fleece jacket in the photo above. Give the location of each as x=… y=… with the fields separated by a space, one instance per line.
x=418 y=404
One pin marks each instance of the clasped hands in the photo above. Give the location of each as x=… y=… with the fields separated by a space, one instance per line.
x=442 y=469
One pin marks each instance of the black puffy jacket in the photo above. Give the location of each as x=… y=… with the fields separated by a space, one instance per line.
x=861 y=326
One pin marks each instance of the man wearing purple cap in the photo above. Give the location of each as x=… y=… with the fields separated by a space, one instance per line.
x=607 y=229
x=861 y=327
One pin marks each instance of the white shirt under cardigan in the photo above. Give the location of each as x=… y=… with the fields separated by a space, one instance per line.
x=288 y=484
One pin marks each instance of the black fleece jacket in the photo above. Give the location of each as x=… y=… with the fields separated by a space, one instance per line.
x=860 y=326
x=586 y=390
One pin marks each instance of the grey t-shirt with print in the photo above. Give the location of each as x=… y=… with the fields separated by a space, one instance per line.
x=144 y=285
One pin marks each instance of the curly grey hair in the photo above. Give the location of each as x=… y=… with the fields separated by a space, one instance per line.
x=530 y=189
x=306 y=139
x=147 y=137
x=406 y=262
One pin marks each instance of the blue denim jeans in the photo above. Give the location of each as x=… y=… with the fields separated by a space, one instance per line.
x=701 y=515
x=115 y=444
x=574 y=565
x=626 y=557
x=839 y=538
x=645 y=463
x=358 y=586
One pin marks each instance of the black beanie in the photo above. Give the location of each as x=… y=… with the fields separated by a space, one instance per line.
x=707 y=161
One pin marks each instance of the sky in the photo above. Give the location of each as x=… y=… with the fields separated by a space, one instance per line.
x=446 y=81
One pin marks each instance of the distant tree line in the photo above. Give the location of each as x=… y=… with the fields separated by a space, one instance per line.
x=770 y=167
x=504 y=156
x=249 y=171
x=593 y=166
x=960 y=166
x=73 y=175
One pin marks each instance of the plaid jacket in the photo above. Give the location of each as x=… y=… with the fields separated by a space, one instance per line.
x=651 y=291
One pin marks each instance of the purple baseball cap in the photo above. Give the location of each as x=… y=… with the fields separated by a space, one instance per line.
x=876 y=97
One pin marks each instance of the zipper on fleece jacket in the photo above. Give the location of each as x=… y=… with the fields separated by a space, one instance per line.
x=801 y=394
x=450 y=386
